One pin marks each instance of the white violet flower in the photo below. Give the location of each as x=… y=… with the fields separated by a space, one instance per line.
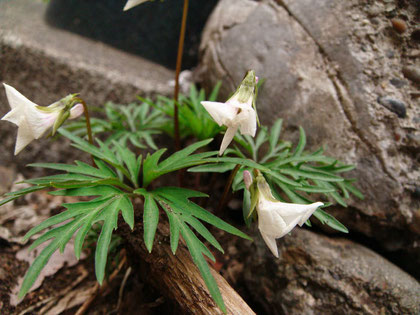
x=132 y=3
x=34 y=120
x=238 y=112
x=275 y=218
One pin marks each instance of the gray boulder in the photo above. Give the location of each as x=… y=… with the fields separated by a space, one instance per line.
x=319 y=275
x=326 y=65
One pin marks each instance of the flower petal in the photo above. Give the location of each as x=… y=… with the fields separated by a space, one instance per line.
x=227 y=139
x=132 y=3
x=248 y=122
x=222 y=113
x=39 y=122
x=270 y=222
x=18 y=103
x=271 y=243
x=24 y=136
x=310 y=210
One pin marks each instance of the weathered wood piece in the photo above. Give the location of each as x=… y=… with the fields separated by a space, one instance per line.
x=176 y=276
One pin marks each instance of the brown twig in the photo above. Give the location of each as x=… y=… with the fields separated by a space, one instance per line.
x=227 y=188
x=121 y=291
x=100 y=289
x=177 y=72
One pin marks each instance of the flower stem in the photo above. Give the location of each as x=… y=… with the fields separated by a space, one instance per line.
x=88 y=126
x=177 y=72
x=227 y=188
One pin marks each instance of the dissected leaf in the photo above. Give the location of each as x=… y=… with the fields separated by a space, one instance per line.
x=79 y=217
x=152 y=169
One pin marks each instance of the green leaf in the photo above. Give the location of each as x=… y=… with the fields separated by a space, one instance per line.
x=152 y=169
x=214 y=168
x=316 y=189
x=178 y=198
x=202 y=230
x=19 y=193
x=102 y=153
x=301 y=158
x=150 y=221
x=328 y=219
x=133 y=164
x=275 y=133
x=109 y=216
x=174 y=231
x=334 y=194
x=310 y=174
x=82 y=144
x=79 y=168
x=354 y=190
x=196 y=248
x=197 y=255
x=246 y=208
x=80 y=216
x=302 y=142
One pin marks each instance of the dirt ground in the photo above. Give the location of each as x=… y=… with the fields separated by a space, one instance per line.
x=71 y=285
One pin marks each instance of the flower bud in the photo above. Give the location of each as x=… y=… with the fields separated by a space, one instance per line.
x=76 y=111
x=247 y=179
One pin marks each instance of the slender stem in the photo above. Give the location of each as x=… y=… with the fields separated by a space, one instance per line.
x=88 y=126
x=227 y=188
x=177 y=72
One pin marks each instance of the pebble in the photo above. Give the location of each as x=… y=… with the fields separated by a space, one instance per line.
x=412 y=73
x=390 y=7
x=374 y=10
x=393 y=105
x=390 y=54
x=397 y=82
x=399 y=25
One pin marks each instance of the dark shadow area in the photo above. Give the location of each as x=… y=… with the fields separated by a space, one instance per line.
x=150 y=30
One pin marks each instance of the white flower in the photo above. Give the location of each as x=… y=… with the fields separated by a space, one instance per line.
x=275 y=218
x=237 y=112
x=33 y=120
x=132 y=3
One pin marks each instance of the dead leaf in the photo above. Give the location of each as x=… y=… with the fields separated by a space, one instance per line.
x=56 y=262
x=70 y=300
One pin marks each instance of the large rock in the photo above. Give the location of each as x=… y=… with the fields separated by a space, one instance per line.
x=319 y=275
x=335 y=68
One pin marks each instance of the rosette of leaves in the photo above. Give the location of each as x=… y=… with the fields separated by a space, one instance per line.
x=133 y=123
x=293 y=174
x=194 y=120
x=109 y=186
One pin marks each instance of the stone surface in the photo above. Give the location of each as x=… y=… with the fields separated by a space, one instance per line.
x=150 y=30
x=319 y=275
x=325 y=64
x=45 y=64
